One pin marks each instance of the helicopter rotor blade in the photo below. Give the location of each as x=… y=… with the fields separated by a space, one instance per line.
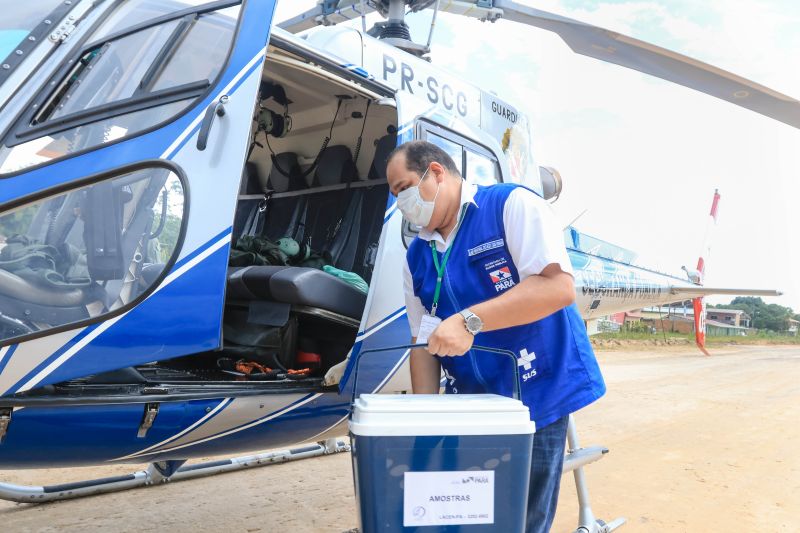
x=591 y=41
x=613 y=47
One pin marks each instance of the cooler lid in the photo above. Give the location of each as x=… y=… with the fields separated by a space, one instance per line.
x=439 y=414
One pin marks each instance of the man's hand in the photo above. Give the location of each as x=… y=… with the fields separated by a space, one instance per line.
x=450 y=337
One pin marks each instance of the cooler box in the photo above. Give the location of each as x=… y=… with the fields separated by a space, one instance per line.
x=429 y=462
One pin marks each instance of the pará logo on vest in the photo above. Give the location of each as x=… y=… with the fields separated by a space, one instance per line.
x=502 y=279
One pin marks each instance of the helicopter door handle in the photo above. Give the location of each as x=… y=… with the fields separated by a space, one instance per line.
x=215 y=109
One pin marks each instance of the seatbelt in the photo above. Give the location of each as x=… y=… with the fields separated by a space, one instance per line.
x=349 y=221
x=255 y=220
x=248 y=224
x=297 y=224
x=300 y=231
x=344 y=243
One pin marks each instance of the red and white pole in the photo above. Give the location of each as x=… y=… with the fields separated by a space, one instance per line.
x=698 y=303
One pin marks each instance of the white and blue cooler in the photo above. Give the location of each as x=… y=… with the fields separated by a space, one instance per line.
x=454 y=463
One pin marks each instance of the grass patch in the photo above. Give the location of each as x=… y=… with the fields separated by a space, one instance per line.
x=753 y=339
x=639 y=336
x=759 y=338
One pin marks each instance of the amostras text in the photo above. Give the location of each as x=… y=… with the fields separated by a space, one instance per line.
x=449 y=498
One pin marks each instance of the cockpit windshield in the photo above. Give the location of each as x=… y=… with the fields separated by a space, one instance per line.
x=146 y=61
x=19 y=19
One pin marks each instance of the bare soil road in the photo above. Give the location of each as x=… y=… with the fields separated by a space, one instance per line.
x=698 y=444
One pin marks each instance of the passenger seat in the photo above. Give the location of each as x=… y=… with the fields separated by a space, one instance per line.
x=285 y=174
x=308 y=287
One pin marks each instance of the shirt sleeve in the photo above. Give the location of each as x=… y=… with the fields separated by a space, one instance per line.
x=414 y=308
x=534 y=235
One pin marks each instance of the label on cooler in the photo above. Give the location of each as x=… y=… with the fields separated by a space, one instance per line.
x=448 y=498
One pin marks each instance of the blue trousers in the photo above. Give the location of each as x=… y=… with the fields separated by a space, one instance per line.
x=548 y=459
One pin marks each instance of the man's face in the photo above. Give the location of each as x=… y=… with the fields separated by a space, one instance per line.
x=400 y=178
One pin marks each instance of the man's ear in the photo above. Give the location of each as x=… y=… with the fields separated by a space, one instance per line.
x=438 y=171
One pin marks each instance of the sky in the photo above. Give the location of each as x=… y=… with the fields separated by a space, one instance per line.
x=643 y=156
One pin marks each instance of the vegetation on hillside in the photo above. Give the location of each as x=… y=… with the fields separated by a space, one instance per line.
x=771 y=317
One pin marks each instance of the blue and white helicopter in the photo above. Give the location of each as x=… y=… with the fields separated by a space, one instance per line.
x=173 y=174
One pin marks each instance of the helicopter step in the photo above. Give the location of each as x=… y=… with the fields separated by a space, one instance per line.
x=164 y=472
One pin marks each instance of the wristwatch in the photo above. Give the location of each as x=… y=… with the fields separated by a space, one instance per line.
x=472 y=322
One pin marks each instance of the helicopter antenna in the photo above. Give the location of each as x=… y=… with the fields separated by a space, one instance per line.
x=433 y=27
x=574 y=220
x=363 y=16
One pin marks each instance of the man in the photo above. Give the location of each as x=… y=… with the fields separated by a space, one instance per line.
x=489 y=267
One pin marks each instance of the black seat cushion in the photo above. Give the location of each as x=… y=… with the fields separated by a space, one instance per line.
x=315 y=288
x=285 y=174
x=297 y=286
x=383 y=148
x=251 y=282
x=335 y=167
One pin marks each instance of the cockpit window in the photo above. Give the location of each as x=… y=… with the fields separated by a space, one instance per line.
x=123 y=83
x=200 y=56
x=84 y=253
x=110 y=72
x=133 y=12
x=19 y=19
x=47 y=148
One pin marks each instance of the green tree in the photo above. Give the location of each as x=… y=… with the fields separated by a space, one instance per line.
x=771 y=317
x=17 y=221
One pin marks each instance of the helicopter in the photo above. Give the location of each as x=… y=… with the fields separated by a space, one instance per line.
x=197 y=240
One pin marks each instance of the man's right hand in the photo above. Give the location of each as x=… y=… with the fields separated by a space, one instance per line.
x=451 y=338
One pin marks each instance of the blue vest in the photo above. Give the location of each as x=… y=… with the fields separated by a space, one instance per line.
x=557 y=367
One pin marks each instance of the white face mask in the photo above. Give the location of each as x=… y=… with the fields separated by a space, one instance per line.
x=414 y=208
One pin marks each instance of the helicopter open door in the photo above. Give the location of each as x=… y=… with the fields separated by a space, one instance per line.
x=385 y=323
x=120 y=176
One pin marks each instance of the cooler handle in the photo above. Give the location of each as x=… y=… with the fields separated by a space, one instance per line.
x=507 y=353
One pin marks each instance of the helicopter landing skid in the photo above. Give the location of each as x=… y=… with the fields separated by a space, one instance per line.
x=574 y=461
x=168 y=471
x=164 y=472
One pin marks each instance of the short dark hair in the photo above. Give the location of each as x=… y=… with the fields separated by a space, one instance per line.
x=420 y=155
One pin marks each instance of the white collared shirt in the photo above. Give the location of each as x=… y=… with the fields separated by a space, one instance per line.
x=468 y=191
x=534 y=238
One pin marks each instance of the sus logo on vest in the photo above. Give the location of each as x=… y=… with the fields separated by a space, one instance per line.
x=502 y=279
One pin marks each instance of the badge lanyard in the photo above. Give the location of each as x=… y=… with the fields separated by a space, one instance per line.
x=440 y=267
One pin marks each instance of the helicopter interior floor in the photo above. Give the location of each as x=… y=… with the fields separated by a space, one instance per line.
x=322 y=186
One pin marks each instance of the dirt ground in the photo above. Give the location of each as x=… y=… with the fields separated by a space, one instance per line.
x=699 y=444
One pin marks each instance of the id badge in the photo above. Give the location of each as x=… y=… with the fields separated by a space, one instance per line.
x=426 y=327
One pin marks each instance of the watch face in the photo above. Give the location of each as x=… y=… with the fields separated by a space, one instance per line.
x=474 y=324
